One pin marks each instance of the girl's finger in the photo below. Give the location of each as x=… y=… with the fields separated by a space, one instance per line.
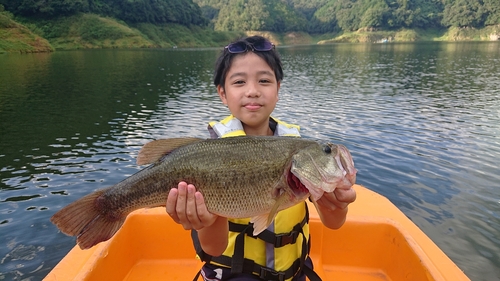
x=171 y=204
x=206 y=218
x=180 y=207
x=191 y=212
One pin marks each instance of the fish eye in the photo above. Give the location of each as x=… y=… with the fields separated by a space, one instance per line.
x=327 y=149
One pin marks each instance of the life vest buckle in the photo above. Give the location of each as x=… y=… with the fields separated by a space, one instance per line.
x=286 y=238
x=271 y=274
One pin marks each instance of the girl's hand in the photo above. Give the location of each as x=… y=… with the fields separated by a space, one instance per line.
x=338 y=199
x=187 y=206
x=332 y=206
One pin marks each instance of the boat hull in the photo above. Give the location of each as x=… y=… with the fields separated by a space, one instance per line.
x=377 y=242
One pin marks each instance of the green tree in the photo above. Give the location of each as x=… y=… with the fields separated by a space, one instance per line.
x=461 y=13
x=307 y=8
x=242 y=15
x=427 y=13
x=348 y=14
x=324 y=20
x=284 y=18
x=46 y=8
x=492 y=9
x=375 y=16
x=154 y=11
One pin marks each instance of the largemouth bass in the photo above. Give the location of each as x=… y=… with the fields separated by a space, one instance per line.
x=239 y=177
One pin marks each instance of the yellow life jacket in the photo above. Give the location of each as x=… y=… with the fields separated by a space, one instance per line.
x=232 y=127
x=283 y=246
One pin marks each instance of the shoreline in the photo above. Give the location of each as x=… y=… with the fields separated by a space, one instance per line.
x=28 y=37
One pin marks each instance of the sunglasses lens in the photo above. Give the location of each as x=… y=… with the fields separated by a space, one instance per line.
x=241 y=47
x=263 y=46
x=238 y=47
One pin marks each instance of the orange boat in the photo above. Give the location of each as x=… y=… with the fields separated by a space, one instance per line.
x=377 y=242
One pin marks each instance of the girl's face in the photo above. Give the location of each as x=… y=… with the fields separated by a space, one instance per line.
x=250 y=92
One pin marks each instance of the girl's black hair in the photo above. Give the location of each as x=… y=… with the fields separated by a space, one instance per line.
x=225 y=59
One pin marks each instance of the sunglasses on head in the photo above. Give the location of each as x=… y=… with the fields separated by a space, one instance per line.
x=242 y=47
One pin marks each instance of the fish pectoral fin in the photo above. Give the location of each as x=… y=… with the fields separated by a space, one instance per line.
x=260 y=223
x=155 y=150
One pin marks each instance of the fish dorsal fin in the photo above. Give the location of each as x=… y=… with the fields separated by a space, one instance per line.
x=260 y=223
x=154 y=150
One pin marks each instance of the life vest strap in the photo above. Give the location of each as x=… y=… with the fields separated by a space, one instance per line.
x=265 y=273
x=239 y=264
x=278 y=240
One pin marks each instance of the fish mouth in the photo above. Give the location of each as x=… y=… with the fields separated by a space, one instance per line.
x=346 y=163
x=295 y=183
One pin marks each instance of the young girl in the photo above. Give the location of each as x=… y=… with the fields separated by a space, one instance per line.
x=248 y=76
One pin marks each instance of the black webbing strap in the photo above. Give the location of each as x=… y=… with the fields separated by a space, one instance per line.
x=311 y=274
x=239 y=264
x=265 y=273
x=239 y=251
x=278 y=240
x=197 y=275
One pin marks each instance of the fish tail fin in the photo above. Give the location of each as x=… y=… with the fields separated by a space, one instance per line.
x=100 y=229
x=84 y=219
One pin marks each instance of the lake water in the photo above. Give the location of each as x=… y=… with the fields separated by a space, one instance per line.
x=422 y=121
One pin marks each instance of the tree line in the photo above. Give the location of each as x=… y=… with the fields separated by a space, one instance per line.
x=184 y=12
x=312 y=16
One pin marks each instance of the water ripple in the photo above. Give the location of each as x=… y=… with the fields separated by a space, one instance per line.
x=422 y=123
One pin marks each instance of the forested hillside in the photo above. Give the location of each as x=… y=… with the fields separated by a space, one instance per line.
x=320 y=16
x=152 y=19
x=312 y=16
x=153 y=11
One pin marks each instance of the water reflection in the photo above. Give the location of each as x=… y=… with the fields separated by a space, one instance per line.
x=421 y=120
x=424 y=132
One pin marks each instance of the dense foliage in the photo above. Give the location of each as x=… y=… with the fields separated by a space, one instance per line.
x=322 y=16
x=153 y=11
x=313 y=16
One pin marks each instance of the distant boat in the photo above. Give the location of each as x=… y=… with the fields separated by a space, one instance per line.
x=377 y=242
